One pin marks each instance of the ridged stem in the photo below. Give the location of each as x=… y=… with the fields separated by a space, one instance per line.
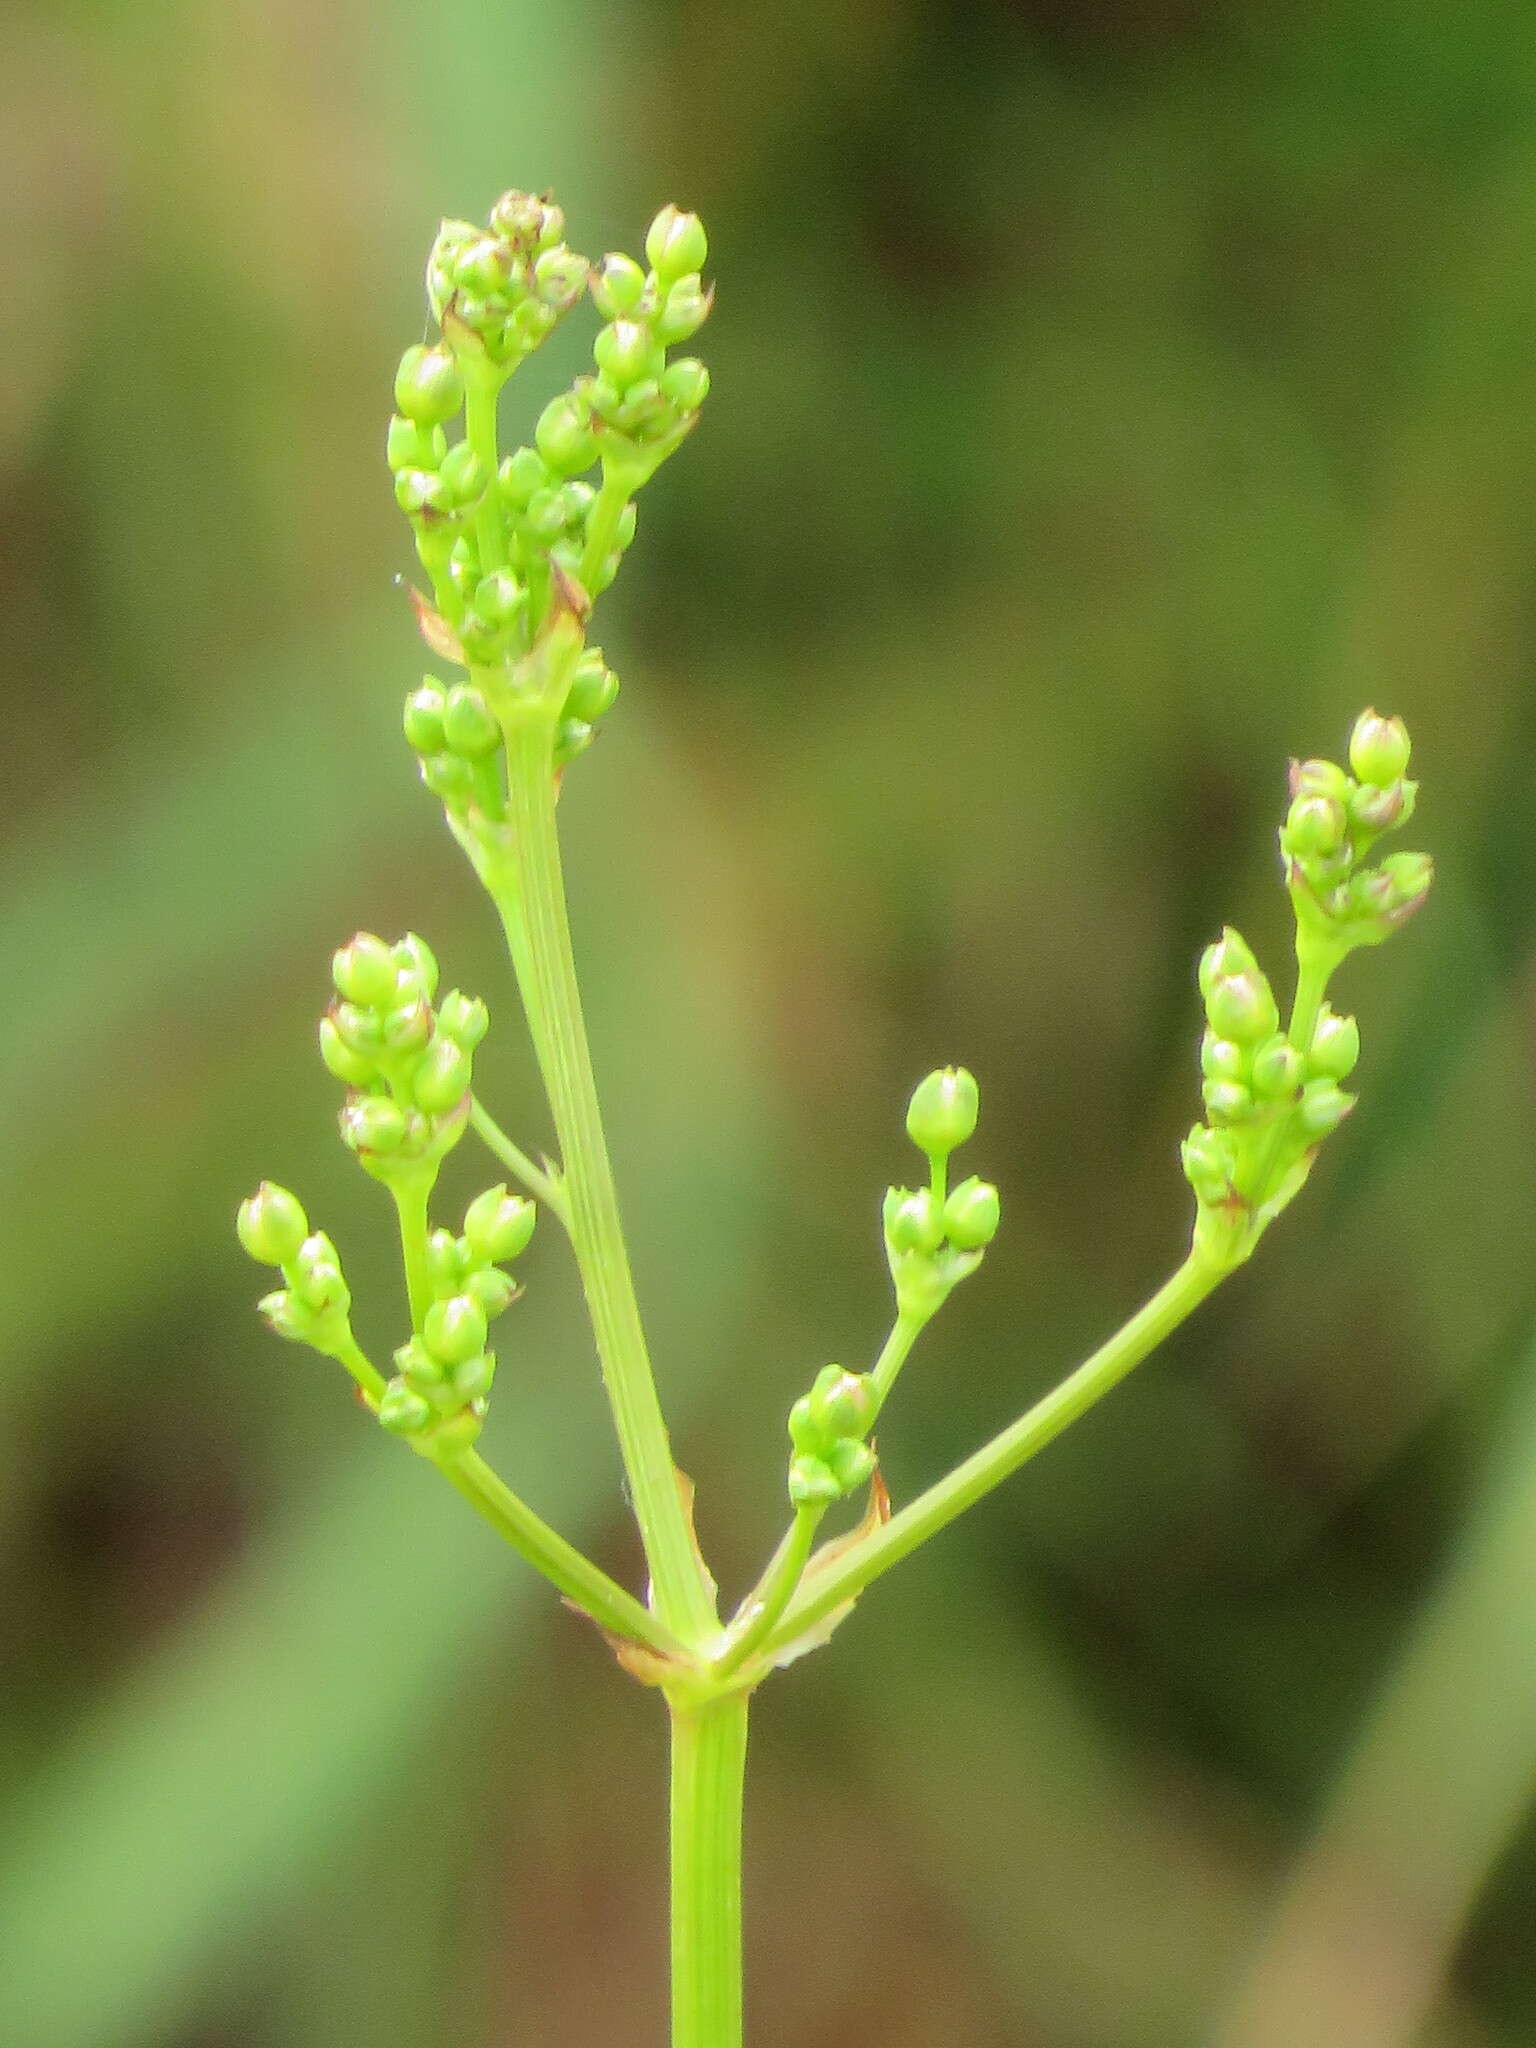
x=709 y=1755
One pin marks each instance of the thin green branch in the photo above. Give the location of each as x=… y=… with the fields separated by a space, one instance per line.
x=995 y=1461
x=544 y=1186
x=551 y=997
x=583 y=1583
x=763 y=1606
x=412 y=1193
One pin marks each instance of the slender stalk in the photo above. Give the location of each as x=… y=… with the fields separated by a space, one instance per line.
x=546 y=968
x=581 y=1581
x=544 y=1186
x=614 y=493
x=994 y=1462
x=371 y=1383
x=480 y=395
x=412 y=1192
x=773 y=1592
x=904 y=1334
x=709 y=1753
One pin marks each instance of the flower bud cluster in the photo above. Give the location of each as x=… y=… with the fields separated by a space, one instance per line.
x=935 y=1235
x=407 y=1066
x=1334 y=820
x=492 y=542
x=827 y=1429
x=444 y=1373
x=313 y=1307
x=498 y=291
x=1254 y=1078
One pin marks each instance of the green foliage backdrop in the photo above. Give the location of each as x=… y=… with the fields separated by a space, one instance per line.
x=1109 y=400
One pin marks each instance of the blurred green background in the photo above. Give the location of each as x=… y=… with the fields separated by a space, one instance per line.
x=1111 y=397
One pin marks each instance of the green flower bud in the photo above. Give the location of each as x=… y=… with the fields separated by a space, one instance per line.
x=573 y=736
x=1221 y=1059
x=468 y=727
x=409 y=446
x=357 y=1069
x=1314 y=828
x=810 y=1481
x=1243 y=1007
x=1379 y=749
x=446 y=1261
x=271 y=1225
x=462 y=476
x=685 y=384
x=428 y=386
x=493 y=1289
x=841 y=1403
x=972 y=1214
x=1410 y=876
x=914 y=1221
x=364 y=972
x=286 y=1317
x=472 y=1380
x=675 y=243
x=1319 y=778
x=805 y=1433
x=418 y=1367
x=560 y=278
x=418 y=965
x=441 y=1078
x=372 y=1123
x=523 y=474
x=464 y=1019
x=318 y=1283
x=1378 y=810
x=544 y=515
x=943 y=1111
x=594 y=686
x=1209 y=1163
x=454 y=1330
x=1227 y=1102
x=683 y=311
x=360 y=1031
x=401 y=1411
x=499 y=598
x=1323 y=1108
x=498 y=1225
x=419 y=492
x=521 y=218
x=485 y=267
x=850 y=1464
x=1223 y=958
x=1335 y=1047
x=618 y=287
x=1277 y=1069
x=423 y=720
x=626 y=352
x=564 y=434
x=408 y=1028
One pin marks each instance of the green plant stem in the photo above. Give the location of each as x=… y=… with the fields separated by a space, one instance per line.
x=480 y=395
x=533 y=911
x=905 y=1332
x=1013 y=1447
x=709 y=1751
x=583 y=1583
x=544 y=1186
x=371 y=1383
x=767 y=1601
x=614 y=493
x=412 y=1193
x=1316 y=963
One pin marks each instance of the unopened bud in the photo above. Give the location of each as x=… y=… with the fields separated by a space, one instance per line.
x=618 y=287
x=454 y=1330
x=441 y=1077
x=1335 y=1047
x=1379 y=749
x=498 y=1225
x=971 y=1215
x=271 y=1225
x=1242 y=1007
x=676 y=243
x=943 y=1110
x=364 y=972
x=1277 y=1070
x=914 y=1221
x=428 y=386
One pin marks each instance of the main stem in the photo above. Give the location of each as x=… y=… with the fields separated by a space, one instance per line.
x=709 y=1755
x=532 y=907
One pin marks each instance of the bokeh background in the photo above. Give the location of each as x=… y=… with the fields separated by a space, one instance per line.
x=1111 y=397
